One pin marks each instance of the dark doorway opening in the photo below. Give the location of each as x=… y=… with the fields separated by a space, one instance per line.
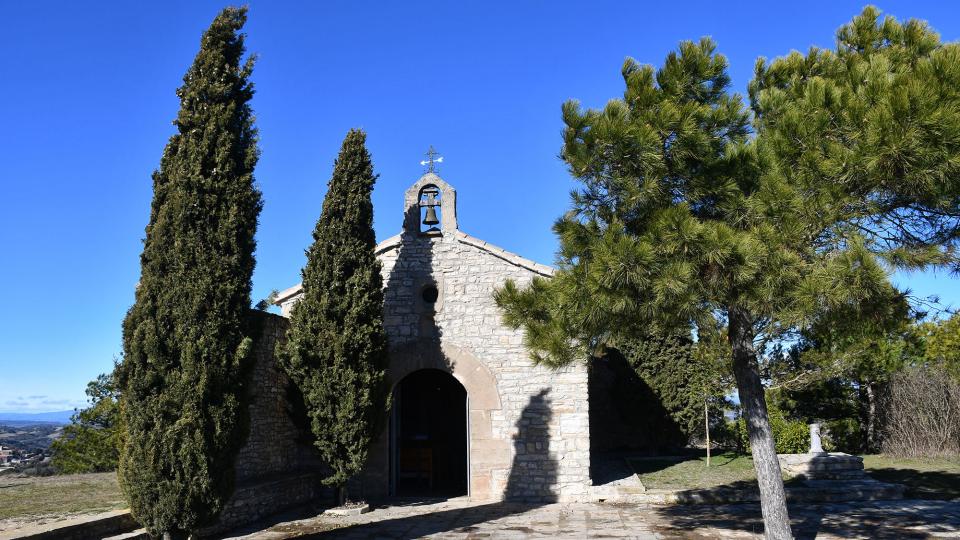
x=430 y=435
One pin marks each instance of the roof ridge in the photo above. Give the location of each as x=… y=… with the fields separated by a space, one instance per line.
x=462 y=237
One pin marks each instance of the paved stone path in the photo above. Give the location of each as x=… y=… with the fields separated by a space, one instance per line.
x=462 y=519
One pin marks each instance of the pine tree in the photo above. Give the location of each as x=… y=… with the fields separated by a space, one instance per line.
x=185 y=339
x=90 y=443
x=671 y=230
x=690 y=216
x=336 y=348
x=874 y=125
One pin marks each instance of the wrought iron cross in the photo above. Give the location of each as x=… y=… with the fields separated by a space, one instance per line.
x=432 y=160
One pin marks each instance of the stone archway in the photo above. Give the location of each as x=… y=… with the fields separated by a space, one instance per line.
x=489 y=455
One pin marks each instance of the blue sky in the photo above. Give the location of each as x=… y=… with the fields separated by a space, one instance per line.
x=87 y=96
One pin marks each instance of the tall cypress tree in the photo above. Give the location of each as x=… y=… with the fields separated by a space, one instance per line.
x=336 y=347
x=185 y=341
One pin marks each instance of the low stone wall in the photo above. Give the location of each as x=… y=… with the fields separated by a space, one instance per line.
x=83 y=528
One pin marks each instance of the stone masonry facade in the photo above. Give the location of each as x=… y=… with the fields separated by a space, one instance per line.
x=277 y=468
x=528 y=425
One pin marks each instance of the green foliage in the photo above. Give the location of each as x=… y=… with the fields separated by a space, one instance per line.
x=942 y=344
x=842 y=435
x=681 y=217
x=264 y=303
x=186 y=344
x=841 y=364
x=874 y=124
x=91 y=442
x=790 y=436
x=336 y=346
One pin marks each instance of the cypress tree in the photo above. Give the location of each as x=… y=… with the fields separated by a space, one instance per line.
x=185 y=339
x=335 y=350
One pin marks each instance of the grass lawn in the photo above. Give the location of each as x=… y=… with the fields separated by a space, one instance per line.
x=727 y=469
x=22 y=499
x=925 y=478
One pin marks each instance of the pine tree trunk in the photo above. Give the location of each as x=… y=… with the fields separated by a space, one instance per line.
x=871 y=442
x=863 y=417
x=341 y=495
x=867 y=396
x=706 y=427
x=773 y=501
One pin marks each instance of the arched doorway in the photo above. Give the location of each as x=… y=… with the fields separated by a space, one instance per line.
x=429 y=435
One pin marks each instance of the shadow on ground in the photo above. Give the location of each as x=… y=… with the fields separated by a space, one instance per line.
x=456 y=520
x=530 y=484
x=934 y=485
x=881 y=519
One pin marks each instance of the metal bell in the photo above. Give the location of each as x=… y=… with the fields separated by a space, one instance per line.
x=431 y=217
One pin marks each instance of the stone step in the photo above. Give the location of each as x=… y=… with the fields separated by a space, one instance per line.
x=139 y=534
x=844 y=490
x=807 y=491
x=849 y=475
x=102 y=525
x=797 y=464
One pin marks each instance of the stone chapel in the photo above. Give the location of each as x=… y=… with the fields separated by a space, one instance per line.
x=471 y=415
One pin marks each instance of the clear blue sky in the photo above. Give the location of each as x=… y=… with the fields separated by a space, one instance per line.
x=87 y=96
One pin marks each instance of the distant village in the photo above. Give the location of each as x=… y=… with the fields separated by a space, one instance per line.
x=25 y=448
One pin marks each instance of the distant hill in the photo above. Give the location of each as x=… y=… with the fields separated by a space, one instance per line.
x=29 y=436
x=58 y=417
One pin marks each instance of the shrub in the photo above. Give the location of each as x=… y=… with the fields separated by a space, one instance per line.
x=921 y=413
x=790 y=436
x=842 y=435
x=186 y=339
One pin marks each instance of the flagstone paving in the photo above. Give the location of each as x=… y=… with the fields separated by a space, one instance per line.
x=462 y=519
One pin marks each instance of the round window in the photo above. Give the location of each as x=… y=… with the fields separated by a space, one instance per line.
x=430 y=294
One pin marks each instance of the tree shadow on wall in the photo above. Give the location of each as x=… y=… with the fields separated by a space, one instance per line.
x=413 y=292
x=531 y=483
x=533 y=474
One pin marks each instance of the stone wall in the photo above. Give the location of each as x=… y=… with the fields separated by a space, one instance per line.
x=277 y=468
x=275 y=444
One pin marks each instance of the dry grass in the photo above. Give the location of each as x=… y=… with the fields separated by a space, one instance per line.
x=32 y=499
x=690 y=472
x=925 y=478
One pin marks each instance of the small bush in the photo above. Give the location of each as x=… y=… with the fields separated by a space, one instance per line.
x=728 y=436
x=842 y=435
x=790 y=436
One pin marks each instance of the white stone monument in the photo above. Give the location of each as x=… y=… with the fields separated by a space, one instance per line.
x=815 y=445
